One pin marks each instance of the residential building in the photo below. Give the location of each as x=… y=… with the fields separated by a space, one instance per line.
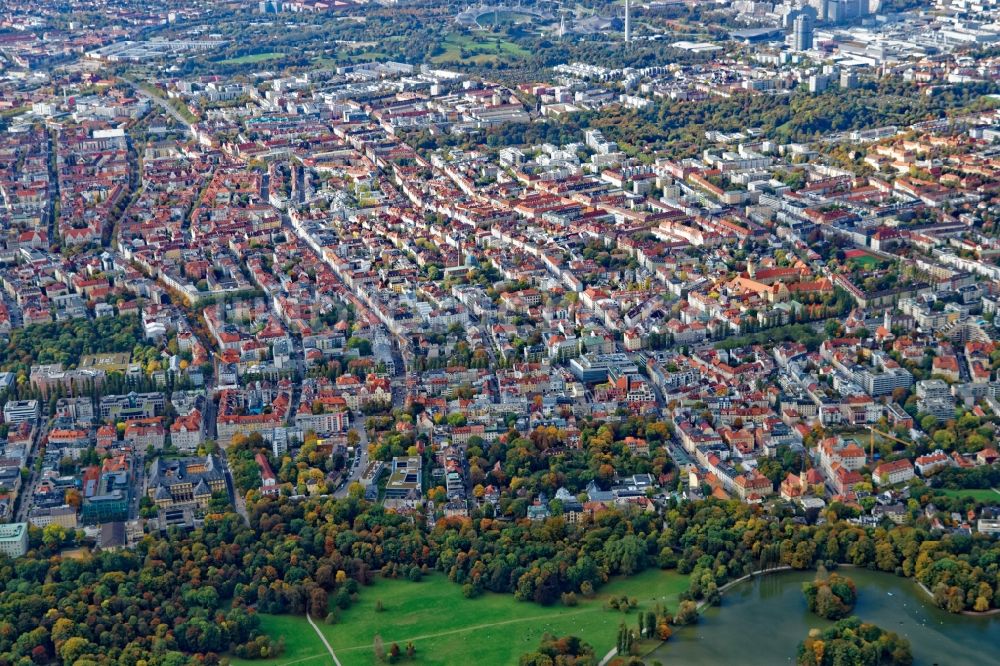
x=891 y=473
x=187 y=432
x=932 y=462
x=934 y=398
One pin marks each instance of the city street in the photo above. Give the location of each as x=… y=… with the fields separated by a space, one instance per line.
x=358 y=463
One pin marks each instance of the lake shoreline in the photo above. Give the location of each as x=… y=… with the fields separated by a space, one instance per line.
x=969 y=613
x=755 y=604
x=786 y=569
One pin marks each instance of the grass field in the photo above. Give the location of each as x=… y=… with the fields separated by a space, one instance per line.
x=492 y=630
x=866 y=261
x=478 y=50
x=302 y=646
x=980 y=495
x=252 y=58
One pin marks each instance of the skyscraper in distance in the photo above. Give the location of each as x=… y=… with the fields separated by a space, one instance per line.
x=802 y=33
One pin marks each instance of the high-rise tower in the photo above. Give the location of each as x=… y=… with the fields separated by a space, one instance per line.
x=802 y=33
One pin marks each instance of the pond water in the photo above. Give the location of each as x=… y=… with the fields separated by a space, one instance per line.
x=761 y=621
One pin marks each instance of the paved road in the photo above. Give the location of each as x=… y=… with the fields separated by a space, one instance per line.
x=25 y=498
x=359 y=462
x=235 y=495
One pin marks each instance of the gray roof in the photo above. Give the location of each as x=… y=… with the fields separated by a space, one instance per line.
x=166 y=473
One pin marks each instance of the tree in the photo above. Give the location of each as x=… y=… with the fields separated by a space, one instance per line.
x=53 y=535
x=830 y=596
x=565 y=651
x=318 y=601
x=852 y=642
x=945 y=439
x=687 y=613
x=885 y=557
x=61 y=631
x=928 y=422
x=73 y=649
x=650 y=623
x=363 y=346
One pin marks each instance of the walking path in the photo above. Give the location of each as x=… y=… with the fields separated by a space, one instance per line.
x=608 y=657
x=478 y=627
x=323 y=638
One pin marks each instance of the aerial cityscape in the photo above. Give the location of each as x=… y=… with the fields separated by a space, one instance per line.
x=515 y=332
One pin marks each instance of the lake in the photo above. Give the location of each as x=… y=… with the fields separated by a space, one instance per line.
x=761 y=621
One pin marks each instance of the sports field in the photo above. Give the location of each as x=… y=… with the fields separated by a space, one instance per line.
x=864 y=259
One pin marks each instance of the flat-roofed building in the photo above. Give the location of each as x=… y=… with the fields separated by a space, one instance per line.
x=21 y=411
x=14 y=539
x=405 y=486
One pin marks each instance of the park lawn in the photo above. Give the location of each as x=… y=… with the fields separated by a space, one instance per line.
x=302 y=646
x=494 y=629
x=252 y=58
x=481 y=50
x=978 y=494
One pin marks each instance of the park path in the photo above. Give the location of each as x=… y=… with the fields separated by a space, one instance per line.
x=475 y=628
x=323 y=638
x=608 y=657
